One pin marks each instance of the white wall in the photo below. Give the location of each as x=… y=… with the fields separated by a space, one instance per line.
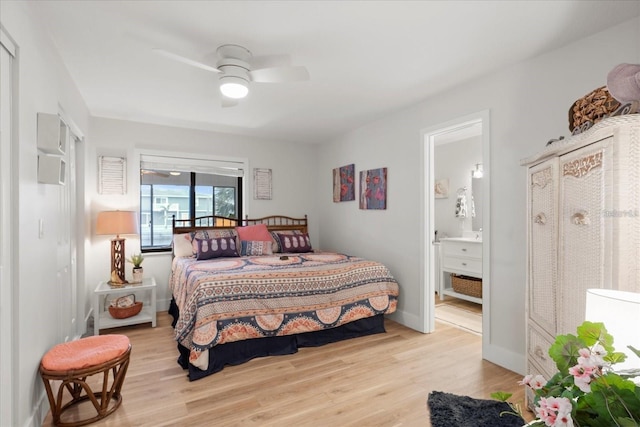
x=455 y=161
x=292 y=165
x=528 y=102
x=44 y=86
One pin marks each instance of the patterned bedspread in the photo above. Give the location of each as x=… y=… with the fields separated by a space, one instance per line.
x=232 y=299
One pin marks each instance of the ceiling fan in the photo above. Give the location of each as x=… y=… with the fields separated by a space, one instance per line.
x=234 y=66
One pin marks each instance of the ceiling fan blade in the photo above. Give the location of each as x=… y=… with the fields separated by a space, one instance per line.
x=279 y=74
x=228 y=102
x=185 y=60
x=269 y=61
x=153 y=172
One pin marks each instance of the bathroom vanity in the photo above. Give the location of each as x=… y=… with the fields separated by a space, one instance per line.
x=462 y=256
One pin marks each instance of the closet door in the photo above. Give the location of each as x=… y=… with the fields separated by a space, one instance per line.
x=586 y=181
x=543 y=237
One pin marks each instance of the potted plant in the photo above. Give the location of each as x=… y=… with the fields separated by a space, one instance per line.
x=586 y=391
x=136 y=260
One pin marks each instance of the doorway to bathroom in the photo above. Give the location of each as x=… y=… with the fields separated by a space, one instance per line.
x=456 y=239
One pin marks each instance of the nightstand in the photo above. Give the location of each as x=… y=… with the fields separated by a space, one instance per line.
x=101 y=317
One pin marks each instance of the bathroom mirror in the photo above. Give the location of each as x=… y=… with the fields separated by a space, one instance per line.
x=476 y=191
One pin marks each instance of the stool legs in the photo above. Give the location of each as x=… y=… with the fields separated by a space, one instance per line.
x=105 y=401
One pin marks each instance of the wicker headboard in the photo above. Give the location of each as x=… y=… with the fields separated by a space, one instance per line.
x=273 y=223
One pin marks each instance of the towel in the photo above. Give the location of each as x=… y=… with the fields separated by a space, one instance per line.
x=473 y=207
x=461 y=206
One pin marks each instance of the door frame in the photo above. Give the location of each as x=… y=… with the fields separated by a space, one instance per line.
x=8 y=261
x=428 y=136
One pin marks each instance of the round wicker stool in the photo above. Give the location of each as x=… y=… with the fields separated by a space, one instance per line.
x=68 y=366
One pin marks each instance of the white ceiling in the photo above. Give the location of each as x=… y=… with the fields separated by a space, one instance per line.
x=366 y=59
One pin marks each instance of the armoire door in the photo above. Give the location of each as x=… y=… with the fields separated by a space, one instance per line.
x=586 y=193
x=543 y=235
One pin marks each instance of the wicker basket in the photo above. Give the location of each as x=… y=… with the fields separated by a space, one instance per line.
x=467 y=285
x=124 y=312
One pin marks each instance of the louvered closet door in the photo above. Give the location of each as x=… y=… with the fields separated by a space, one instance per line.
x=543 y=235
x=586 y=181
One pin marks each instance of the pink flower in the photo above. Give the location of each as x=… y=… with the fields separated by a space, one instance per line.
x=583 y=372
x=597 y=355
x=526 y=380
x=535 y=383
x=555 y=411
x=583 y=385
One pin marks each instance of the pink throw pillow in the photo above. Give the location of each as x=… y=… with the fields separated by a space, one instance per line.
x=254 y=233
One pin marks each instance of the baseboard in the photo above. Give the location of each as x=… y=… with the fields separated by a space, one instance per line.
x=40 y=411
x=407 y=319
x=507 y=359
x=162 y=304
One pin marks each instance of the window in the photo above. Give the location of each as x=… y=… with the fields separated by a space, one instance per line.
x=184 y=188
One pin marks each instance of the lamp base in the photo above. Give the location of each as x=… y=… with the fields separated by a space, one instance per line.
x=117 y=262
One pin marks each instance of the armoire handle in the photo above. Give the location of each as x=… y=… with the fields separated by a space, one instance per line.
x=539 y=353
x=580 y=218
x=540 y=219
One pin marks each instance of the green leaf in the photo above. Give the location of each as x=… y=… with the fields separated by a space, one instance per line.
x=627 y=422
x=635 y=350
x=595 y=332
x=564 y=351
x=613 y=397
x=611 y=380
x=501 y=396
x=615 y=357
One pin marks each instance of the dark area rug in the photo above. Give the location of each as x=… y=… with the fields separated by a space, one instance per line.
x=450 y=410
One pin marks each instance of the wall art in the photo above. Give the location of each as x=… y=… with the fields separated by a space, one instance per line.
x=344 y=182
x=373 y=189
x=262 y=184
x=441 y=188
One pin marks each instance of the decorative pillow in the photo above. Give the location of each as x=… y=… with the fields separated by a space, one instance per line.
x=216 y=247
x=211 y=233
x=276 y=241
x=254 y=233
x=255 y=248
x=295 y=242
x=182 y=245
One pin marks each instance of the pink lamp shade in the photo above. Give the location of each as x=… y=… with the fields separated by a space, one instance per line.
x=620 y=313
x=117 y=223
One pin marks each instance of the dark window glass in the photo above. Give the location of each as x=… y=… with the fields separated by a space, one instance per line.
x=164 y=194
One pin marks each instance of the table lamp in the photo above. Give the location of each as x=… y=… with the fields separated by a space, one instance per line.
x=620 y=313
x=117 y=222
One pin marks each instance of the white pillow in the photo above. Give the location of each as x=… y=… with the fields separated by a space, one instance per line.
x=182 y=245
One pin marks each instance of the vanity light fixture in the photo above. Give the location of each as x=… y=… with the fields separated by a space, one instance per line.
x=478 y=172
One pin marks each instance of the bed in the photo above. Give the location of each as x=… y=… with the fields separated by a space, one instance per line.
x=256 y=287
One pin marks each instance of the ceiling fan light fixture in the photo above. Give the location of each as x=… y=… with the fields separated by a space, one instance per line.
x=234 y=87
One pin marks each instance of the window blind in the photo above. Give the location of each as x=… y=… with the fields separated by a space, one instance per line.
x=183 y=164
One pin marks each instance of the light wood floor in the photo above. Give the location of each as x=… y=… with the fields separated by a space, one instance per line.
x=380 y=380
x=460 y=313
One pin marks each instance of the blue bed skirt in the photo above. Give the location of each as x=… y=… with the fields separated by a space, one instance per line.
x=236 y=353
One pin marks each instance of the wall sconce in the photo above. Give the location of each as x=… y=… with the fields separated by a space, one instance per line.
x=117 y=222
x=620 y=313
x=478 y=172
